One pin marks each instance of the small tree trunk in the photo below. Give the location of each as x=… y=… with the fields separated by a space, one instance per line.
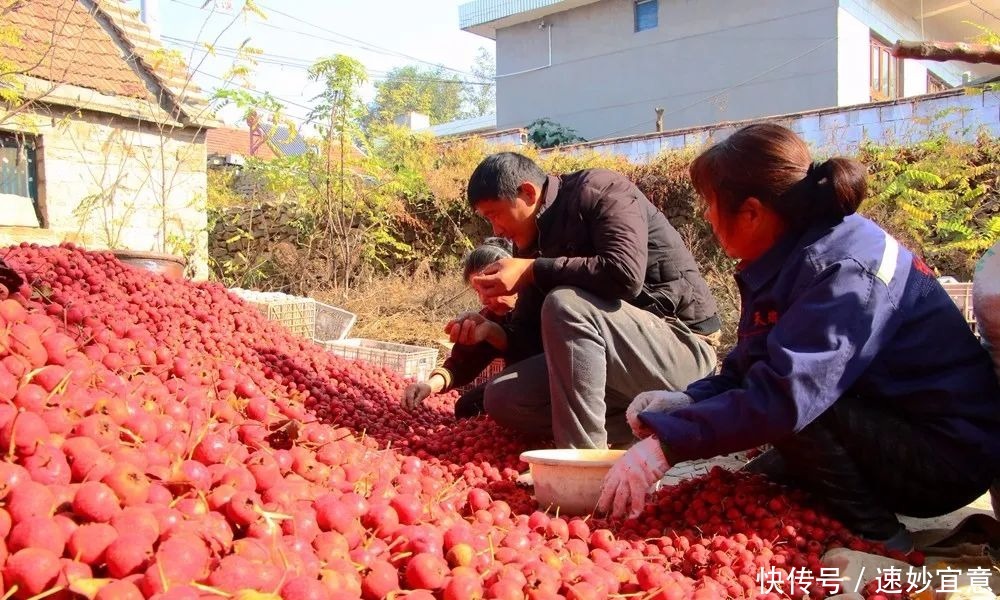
x=945 y=51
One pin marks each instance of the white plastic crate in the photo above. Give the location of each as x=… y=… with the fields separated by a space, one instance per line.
x=409 y=361
x=332 y=323
x=296 y=314
x=961 y=293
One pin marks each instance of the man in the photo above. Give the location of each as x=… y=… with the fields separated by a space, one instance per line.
x=986 y=300
x=621 y=305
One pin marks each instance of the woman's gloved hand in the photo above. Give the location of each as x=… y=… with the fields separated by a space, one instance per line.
x=624 y=490
x=654 y=401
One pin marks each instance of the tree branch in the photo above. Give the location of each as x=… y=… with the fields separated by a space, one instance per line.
x=945 y=51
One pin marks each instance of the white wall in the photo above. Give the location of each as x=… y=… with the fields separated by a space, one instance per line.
x=853 y=58
x=892 y=22
x=839 y=130
x=706 y=61
x=914 y=78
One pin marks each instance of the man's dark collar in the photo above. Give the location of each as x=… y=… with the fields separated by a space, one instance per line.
x=550 y=189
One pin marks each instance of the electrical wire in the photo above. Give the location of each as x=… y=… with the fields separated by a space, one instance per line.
x=260 y=93
x=401 y=54
x=984 y=9
x=287 y=61
x=352 y=43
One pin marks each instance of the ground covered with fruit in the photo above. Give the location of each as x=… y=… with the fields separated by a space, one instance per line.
x=162 y=439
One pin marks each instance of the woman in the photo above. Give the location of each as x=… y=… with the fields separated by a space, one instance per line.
x=466 y=361
x=852 y=361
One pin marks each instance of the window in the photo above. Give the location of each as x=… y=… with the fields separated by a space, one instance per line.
x=886 y=74
x=19 y=178
x=936 y=84
x=646 y=14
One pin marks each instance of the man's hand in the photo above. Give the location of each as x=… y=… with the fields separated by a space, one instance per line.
x=654 y=401
x=505 y=277
x=624 y=490
x=472 y=328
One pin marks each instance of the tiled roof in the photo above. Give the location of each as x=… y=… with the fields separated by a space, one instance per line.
x=171 y=73
x=277 y=142
x=56 y=35
x=101 y=45
x=226 y=140
x=283 y=141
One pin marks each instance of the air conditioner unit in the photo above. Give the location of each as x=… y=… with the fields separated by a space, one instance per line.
x=236 y=160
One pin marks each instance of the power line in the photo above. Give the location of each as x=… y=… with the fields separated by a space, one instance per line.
x=311 y=35
x=218 y=49
x=974 y=4
x=259 y=93
x=360 y=44
x=297 y=63
x=402 y=54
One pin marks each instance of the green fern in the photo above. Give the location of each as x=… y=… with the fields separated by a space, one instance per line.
x=992 y=227
x=940 y=195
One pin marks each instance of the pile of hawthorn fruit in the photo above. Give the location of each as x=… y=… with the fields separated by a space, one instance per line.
x=162 y=439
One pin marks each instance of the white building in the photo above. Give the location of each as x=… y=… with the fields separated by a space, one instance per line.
x=602 y=67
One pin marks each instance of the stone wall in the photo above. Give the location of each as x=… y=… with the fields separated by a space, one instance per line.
x=110 y=182
x=255 y=232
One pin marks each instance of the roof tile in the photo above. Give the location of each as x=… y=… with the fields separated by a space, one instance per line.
x=227 y=140
x=106 y=49
x=62 y=42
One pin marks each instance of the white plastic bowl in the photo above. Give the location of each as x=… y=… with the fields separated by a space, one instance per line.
x=569 y=479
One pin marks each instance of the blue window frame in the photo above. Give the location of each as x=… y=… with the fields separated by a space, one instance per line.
x=17 y=165
x=646 y=14
x=18 y=169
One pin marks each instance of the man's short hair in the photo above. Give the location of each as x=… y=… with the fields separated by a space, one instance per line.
x=500 y=176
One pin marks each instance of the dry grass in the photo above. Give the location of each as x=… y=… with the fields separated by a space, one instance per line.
x=727 y=296
x=414 y=309
x=718 y=271
x=405 y=309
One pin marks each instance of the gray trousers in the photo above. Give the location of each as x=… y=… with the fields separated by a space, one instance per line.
x=599 y=354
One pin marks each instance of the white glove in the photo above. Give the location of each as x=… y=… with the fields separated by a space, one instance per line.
x=626 y=484
x=654 y=401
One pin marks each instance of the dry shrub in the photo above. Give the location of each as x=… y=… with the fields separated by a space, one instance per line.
x=407 y=309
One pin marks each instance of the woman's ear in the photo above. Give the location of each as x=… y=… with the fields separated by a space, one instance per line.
x=761 y=221
x=753 y=210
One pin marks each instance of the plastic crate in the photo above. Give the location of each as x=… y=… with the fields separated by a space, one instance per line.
x=296 y=314
x=332 y=323
x=409 y=361
x=492 y=370
x=961 y=293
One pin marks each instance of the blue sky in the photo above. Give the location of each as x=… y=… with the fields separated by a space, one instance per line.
x=381 y=34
